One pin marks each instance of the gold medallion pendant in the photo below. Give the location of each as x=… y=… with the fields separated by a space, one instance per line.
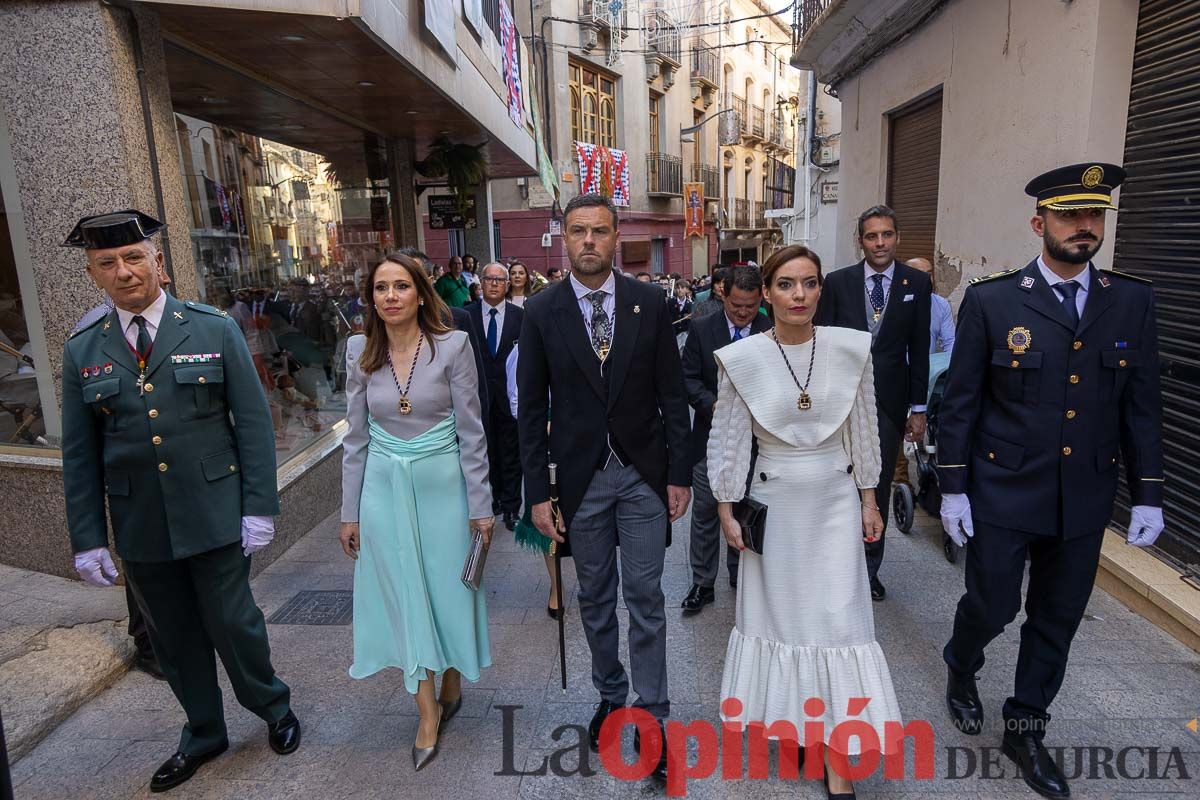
x=805 y=402
x=404 y=406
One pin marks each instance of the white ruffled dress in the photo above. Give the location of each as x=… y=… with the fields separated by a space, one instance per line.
x=805 y=626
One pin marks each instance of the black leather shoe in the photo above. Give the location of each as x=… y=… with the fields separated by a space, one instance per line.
x=179 y=767
x=962 y=700
x=697 y=598
x=602 y=711
x=733 y=581
x=284 y=736
x=1037 y=765
x=877 y=590
x=659 y=773
x=510 y=520
x=149 y=665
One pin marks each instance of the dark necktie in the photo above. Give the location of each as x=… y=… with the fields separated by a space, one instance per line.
x=493 y=337
x=1068 y=290
x=601 y=324
x=877 y=298
x=144 y=342
x=738 y=334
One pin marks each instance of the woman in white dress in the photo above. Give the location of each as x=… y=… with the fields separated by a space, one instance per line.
x=804 y=626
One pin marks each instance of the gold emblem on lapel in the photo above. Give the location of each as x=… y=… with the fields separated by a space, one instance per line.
x=904 y=282
x=1104 y=281
x=107 y=324
x=1092 y=177
x=1019 y=340
x=178 y=314
x=637 y=309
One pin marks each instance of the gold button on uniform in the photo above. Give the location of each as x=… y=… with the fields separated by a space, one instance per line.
x=1122 y=362
x=1071 y=414
x=992 y=456
x=97 y=395
x=1074 y=379
x=1077 y=345
x=153 y=413
x=157 y=440
x=1015 y=364
x=200 y=379
x=162 y=467
x=233 y=468
x=1066 y=451
x=149 y=387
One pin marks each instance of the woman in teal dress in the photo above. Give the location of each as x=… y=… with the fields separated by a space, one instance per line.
x=414 y=474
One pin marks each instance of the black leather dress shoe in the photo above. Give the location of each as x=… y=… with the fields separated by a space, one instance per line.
x=510 y=520
x=697 y=598
x=962 y=700
x=733 y=581
x=1037 y=765
x=602 y=711
x=659 y=773
x=284 y=736
x=179 y=767
x=877 y=590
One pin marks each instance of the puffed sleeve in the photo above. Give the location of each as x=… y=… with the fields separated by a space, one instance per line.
x=729 y=446
x=468 y=420
x=354 y=443
x=864 y=432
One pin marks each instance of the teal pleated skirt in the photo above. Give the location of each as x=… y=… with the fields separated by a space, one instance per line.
x=411 y=610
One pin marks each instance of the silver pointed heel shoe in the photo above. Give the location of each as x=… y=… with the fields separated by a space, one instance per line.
x=450 y=709
x=423 y=755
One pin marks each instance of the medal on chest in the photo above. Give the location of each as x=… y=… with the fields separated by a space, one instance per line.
x=404 y=406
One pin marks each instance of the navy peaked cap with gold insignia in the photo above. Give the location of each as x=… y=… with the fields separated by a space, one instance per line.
x=1088 y=185
x=116 y=229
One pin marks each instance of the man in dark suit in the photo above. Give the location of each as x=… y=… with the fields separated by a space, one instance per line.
x=741 y=293
x=890 y=300
x=600 y=346
x=1055 y=374
x=497 y=323
x=165 y=419
x=302 y=313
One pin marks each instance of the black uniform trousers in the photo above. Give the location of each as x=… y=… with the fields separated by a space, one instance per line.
x=890 y=441
x=192 y=607
x=504 y=458
x=1061 y=575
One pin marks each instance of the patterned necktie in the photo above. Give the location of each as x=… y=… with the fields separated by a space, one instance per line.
x=1068 y=290
x=601 y=324
x=877 y=298
x=492 y=338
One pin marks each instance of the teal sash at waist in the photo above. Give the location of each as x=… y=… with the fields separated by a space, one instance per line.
x=441 y=439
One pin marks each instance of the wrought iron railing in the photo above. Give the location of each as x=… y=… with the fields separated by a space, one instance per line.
x=758 y=124
x=666 y=40
x=738 y=104
x=760 y=215
x=600 y=12
x=741 y=212
x=806 y=14
x=711 y=178
x=705 y=65
x=664 y=174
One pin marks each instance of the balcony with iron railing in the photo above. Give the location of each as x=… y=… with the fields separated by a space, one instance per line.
x=600 y=13
x=738 y=104
x=664 y=175
x=760 y=215
x=758 y=122
x=706 y=67
x=741 y=213
x=779 y=133
x=710 y=176
x=664 y=40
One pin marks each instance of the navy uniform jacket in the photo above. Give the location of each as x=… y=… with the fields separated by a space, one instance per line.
x=178 y=473
x=1033 y=437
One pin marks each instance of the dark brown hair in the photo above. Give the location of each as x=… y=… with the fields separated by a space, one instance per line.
x=433 y=316
x=786 y=254
x=877 y=211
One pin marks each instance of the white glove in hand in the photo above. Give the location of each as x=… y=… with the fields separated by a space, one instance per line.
x=1145 y=524
x=257 y=533
x=956 y=518
x=96 y=567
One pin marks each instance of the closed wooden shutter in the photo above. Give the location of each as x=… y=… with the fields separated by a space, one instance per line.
x=1158 y=237
x=914 y=153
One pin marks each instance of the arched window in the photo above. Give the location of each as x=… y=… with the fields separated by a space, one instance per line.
x=608 y=123
x=593 y=106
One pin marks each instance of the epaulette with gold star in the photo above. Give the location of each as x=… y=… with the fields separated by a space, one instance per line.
x=993 y=276
x=1137 y=278
x=192 y=304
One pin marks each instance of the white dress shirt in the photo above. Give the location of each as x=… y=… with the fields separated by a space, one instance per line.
x=518 y=300
x=1083 y=278
x=152 y=314
x=609 y=304
x=733 y=329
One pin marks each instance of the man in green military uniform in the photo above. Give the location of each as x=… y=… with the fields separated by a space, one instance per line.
x=164 y=415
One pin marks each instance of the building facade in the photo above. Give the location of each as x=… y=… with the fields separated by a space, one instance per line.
x=950 y=106
x=280 y=140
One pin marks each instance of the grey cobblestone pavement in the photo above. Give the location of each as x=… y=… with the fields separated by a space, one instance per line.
x=1129 y=685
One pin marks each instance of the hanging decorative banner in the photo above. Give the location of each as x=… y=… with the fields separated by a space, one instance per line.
x=603 y=170
x=693 y=209
x=512 y=64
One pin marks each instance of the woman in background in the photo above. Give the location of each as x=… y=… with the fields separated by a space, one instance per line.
x=411 y=496
x=523 y=283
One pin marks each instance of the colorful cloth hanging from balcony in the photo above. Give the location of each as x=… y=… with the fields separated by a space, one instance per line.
x=512 y=62
x=604 y=170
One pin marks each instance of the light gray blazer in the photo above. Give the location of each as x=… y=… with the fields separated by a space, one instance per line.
x=444 y=383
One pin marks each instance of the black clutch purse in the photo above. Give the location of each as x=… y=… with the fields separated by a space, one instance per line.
x=751 y=515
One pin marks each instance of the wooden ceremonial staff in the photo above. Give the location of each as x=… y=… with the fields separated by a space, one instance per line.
x=555 y=516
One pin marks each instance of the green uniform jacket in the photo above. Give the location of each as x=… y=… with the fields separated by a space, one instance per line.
x=178 y=472
x=454 y=291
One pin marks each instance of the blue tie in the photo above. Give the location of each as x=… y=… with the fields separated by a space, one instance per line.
x=492 y=337
x=877 y=298
x=1069 y=289
x=738 y=334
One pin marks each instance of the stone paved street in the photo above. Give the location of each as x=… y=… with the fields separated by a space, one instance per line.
x=1129 y=685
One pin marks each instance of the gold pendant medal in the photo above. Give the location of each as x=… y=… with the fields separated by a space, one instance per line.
x=404 y=406
x=805 y=402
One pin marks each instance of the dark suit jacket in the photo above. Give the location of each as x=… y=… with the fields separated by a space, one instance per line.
x=493 y=367
x=461 y=321
x=307 y=321
x=1004 y=435
x=707 y=335
x=643 y=407
x=900 y=351
x=678 y=314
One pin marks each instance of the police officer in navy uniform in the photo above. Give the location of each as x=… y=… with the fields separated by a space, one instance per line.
x=164 y=416
x=1054 y=381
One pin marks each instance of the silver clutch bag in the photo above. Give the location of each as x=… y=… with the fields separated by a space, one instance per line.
x=472 y=571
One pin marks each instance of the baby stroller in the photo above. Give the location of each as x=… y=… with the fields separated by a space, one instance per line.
x=921 y=486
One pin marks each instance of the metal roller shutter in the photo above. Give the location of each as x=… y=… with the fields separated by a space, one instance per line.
x=1158 y=237
x=914 y=154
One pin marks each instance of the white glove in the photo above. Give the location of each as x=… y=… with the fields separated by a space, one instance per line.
x=956 y=512
x=1145 y=524
x=257 y=533
x=96 y=567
